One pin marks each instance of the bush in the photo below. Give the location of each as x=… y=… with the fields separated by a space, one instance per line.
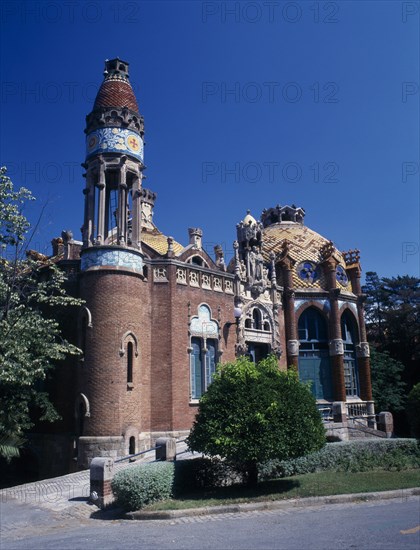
x=138 y=486
x=349 y=456
x=204 y=473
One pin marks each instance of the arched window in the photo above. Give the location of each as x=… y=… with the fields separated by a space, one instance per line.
x=203 y=351
x=314 y=360
x=197 y=260
x=128 y=353
x=349 y=336
x=203 y=365
x=84 y=323
x=130 y=363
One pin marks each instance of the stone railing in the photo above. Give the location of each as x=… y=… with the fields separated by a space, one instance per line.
x=357 y=410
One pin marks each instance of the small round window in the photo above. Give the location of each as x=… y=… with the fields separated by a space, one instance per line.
x=307 y=271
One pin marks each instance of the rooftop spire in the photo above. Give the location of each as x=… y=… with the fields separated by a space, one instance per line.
x=116 y=69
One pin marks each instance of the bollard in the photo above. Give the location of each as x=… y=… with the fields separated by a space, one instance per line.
x=167 y=448
x=386 y=423
x=101 y=474
x=339 y=412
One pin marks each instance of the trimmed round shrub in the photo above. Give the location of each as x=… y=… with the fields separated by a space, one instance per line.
x=138 y=486
x=255 y=412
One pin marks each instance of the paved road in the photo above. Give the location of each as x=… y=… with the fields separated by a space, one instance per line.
x=392 y=524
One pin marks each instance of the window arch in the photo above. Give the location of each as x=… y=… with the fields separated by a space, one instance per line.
x=349 y=334
x=85 y=323
x=197 y=260
x=257 y=319
x=314 y=360
x=129 y=351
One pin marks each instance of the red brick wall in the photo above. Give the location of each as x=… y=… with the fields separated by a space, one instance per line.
x=119 y=302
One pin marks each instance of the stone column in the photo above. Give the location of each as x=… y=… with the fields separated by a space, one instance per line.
x=136 y=214
x=336 y=346
x=122 y=207
x=292 y=339
x=101 y=184
x=90 y=208
x=363 y=353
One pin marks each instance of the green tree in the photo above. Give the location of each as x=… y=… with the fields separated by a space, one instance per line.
x=31 y=293
x=413 y=410
x=387 y=386
x=254 y=412
x=393 y=319
x=393 y=326
x=375 y=306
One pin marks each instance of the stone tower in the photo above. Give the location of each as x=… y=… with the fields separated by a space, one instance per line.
x=108 y=407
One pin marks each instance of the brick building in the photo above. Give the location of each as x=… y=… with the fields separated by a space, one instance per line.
x=159 y=315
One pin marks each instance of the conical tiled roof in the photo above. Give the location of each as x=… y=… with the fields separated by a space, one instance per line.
x=116 y=90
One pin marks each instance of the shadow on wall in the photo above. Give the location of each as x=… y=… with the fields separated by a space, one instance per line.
x=23 y=469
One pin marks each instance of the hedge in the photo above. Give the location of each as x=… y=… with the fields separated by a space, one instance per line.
x=349 y=456
x=138 y=486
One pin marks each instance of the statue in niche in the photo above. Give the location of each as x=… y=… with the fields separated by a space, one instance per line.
x=256 y=265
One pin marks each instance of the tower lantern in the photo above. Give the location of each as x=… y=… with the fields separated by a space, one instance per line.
x=114 y=164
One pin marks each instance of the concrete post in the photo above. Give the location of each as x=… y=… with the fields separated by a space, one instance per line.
x=166 y=448
x=339 y=412
x=370 y=406
x=386 y=423
x=101 y=474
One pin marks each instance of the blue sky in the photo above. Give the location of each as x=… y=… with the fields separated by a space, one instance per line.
x=246 y=105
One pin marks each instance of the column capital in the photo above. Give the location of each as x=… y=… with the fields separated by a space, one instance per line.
x=336 y=347
x=362 y=349
x=293 y=347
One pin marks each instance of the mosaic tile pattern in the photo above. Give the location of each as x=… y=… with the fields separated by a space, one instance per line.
x=107 y=257
x=156 y=240
x=115 y=140
x=116 y=92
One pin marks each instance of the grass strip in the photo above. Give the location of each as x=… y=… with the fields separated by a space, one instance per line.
x=307 y=485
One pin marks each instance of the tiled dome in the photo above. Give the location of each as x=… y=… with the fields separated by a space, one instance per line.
x=304 y=248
